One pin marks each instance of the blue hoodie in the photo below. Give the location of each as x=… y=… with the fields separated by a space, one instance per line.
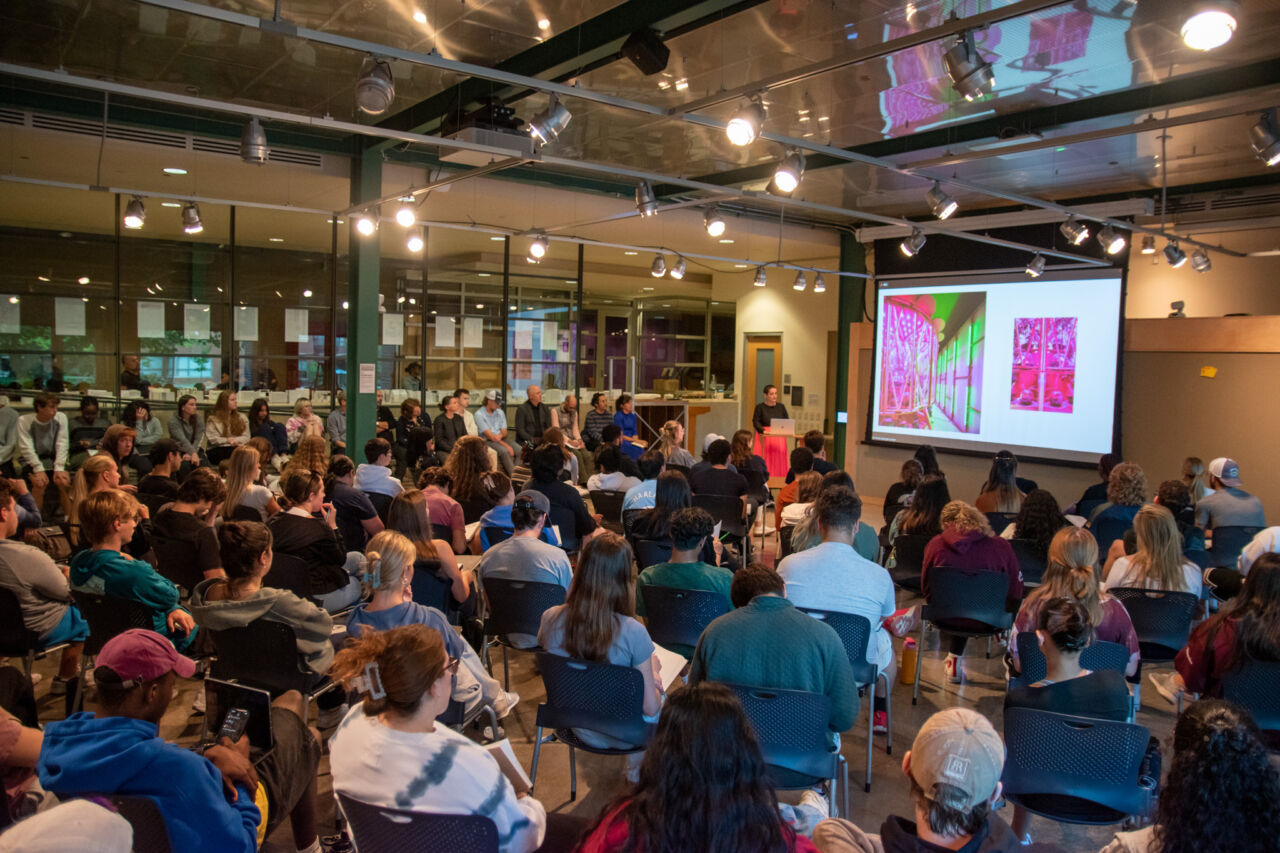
x=85 y=754
x=108 y=572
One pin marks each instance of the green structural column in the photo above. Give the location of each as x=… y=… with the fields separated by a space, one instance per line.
x=362 y=317
x=853 y=258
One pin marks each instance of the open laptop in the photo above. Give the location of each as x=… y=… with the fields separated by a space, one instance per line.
x=221 y=697
x=782 y=425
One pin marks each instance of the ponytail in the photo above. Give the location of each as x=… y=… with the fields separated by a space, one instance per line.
x=391 y=671
x=388 y=562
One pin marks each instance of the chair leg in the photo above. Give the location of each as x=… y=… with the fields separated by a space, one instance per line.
x=573 y=774
x=915 y=689
x=506 y=670
x=78 y=703
x=988 y=646
x=533 y=768
x=871 y=728
x=29 y=662
x=844 y=770
x=888 y=713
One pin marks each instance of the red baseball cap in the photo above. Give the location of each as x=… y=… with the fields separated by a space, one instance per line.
x=139 y=655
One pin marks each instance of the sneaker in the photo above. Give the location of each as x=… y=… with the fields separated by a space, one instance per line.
x=1163 y=683
x=197 y=704
x=490 y=736
x=816 y=798
x=60 y=686
x=880 y=723
x=36 y=678
x=903 y=622
x=954 y=669
x=339 y=843
x=505 y=703
x=1025 y=840
x=328 y=718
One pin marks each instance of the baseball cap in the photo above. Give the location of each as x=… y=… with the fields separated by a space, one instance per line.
x=1226 y=470
x=711 y=436
x=537 y=499
x=139 y=655
x=491 y=395
x=959 y=748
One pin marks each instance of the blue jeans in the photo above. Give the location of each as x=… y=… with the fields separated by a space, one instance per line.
x=72 y=628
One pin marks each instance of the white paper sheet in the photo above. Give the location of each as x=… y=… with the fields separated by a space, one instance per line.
x=549 y=339
x=562 y=346
x=246 y=323
x=368 y=378
x=524 y=335
x=671 y=664
x=445 y=332
x=393 y=330
x=10 y=314
x=195 y=322
x=472 y=332
x=151 y=319
x=296 y=325
x=68 y=315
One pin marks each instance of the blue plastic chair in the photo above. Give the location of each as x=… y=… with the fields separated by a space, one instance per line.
x=376 y=828
x=1253 y=686
x=1099 y=655
x=677 y=617
x=1161 y=619
x=1228 y=542
x=515 y=607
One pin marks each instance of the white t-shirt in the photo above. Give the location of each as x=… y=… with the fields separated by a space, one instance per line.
x=793 y=514
x=440 y=772
x=615 y=482
x=1119 y=576
x=257 y=497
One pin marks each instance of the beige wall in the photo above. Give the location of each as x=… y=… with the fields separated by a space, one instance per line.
x=1233 y=286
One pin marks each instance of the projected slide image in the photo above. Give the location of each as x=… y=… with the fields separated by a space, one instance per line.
x=1044 y=361
x=931 y=362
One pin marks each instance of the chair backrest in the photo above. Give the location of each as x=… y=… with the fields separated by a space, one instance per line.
x=677 y=617
x=967 y=594
x=516 y=607
x=15 y=638
x=1200 y=557
x=108 y=616
x=1030 y=562
x=602 y=697
x=1228 y=542
x=1161 y=619
x=608 y=504
x=442 y=531
x=178 y=560
x=628 y=518
x=381 y=503
x=262 y=654
x=490 y=536
x=429 y=588
x=1099 y=655
x=908 y=559
x=376 y=828
x=152 y=502
x=683 y=469
x=650 y=552
x=1107 y=530
x=243 y=512
x=150 y=835
x=1253 y=686
x=726 y=509
x=289 y=572
x=756 y=481
x=1058 y=755
x=855 y=634
x=1000 y=520
x=791 y=726
x=784 y=541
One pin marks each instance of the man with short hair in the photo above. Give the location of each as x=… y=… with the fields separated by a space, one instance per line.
x=491 y=425
x=816 y=443
x=43 y=441
x=1229 y=505
x=190 y=518
x=690 y=529
x=566 y=508
x=375 y=475
x=87 y=430
x=525 y=555
x=532 y=418
x=954 y=768
x=608 y=476
x=335 y=426
x=611 y=436
x=833 y=576
x=598 y=418
x=567 y=420
x=717 y=479
x=8 y=437
x=209 y=802
x=131 y=376
x=464 y=409
x=165 y=457
x=642 y=496
x=801 y=461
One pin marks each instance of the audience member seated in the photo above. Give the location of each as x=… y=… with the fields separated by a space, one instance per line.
x=702 y=785
x=303 y=423
x=374 y=476
x=99 y=474
x=643 y=494
x=1000 y=493
x=1158 y=563
x=717 y=479
x=137 y=416
x=1096 y=494
x=449 y=426
x=335 y=426
x=274 y=433
x=1069 y=573
x=1195 y=478
x=808 y=485
x=690 y=530
x=608 y=477
x=491 y=427
x=612 y=437
x=1037 y=522
x=43 y=438
x=671 y=495
x=85 y=431
x=743 y=458
x=801 y=461
x=922 y=517
x=357 y=518
x=625 y=418
x=954 y=768
x=308 y=530
x=435 y=484
x=1229 y=505
x=415 y=433
x=567 y=512
x=1173 y=496
x=24 y=507
x=190 y=518
x=186 y=426
x=243 y=471
x=404 y=679
x=1221 y=792
x=500 y=517
x=554 y=437
x=43 y=593
x=225 y=427
x=389 y=576
x=928 y=459
x=742 y=647
x=671 y=445
x=816 y=443
x=211 y=802
x=1126 y=493
x=898 y=497
x=966 y=542
x=408 y=517
x=265 y=457
x=805 y=534
x=165 y=458
x=310 y=456
x=532 y=417
x=1225 y=582
x=118 y=443
x=467 y=465
x=597 y=419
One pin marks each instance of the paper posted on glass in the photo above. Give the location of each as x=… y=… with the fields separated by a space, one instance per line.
x=195 y=322
x=670 y=665
x=68 y=316
x=246 y=322
x=523 y=335
x=296 y=325
x=151 y=319
x=368 y=378
x=444 y=332
x=472 y=332
x=10 y=314
x=510 y=765
x=393 y=330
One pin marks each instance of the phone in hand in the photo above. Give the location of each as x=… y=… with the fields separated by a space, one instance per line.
x=234 y=724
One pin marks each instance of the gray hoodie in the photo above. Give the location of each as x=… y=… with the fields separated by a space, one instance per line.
x=310 y=624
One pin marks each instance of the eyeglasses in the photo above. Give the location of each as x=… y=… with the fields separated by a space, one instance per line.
x=452 y=666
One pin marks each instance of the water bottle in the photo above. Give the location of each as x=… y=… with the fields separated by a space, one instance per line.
x=907 y=668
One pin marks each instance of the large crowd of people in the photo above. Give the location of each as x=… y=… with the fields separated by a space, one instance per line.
x=224 y=521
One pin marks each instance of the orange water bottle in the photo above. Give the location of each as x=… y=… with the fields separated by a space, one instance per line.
x=907 y=668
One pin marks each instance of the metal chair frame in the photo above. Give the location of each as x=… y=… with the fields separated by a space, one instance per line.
x=969 y=594
x=514 y=607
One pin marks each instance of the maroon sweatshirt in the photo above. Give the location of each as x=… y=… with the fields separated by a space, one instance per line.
x=973 y=550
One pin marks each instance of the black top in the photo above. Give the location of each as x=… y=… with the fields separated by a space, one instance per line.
x=1096 y=492
x=310 y=539
x=447 y=432
x=532 y=421
x=651 y=524
x=352 y=506
x=384 y=414
x=154 y=484
x=1025 y=485
x=1101 y=695
x=893 y=500
x=567 y=511
x=717 y=481
x=185 y=527
x=764 y=415
x=130 y=381
x=406 y=426
x=474 y=509
x=822 y=466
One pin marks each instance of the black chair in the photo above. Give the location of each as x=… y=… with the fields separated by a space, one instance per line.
x=178 y=560
x=1000 y=520
x=443 y=532
x=381 y=503
x=757 y=482
x=1030 y=561
x=494 y=535
x=107 y=616
x=908 y=560
x=1075 y=769
x=289 y=572
x=16 y=640
x=515 y=607
x=784 y=541
x=966 y=595
x=150 y=835
x=1161 y=619
x=729 y=511
x=430 y=589
x=1099 y=655
x=1253 y=686
x=152 y=502
x=264 y=654
x=600 y=697
x=683 y=469
x=677 y=617
x=609 y=505
x=1228 y=542
x=792 y=728
x=855 y=634
x=1201 y=558
x=651 y=552
x=376 y=829
x=246 y=513
x=1108 y=530
x=628 y=518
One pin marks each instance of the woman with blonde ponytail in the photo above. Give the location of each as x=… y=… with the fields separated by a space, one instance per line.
x=1069 y=574
x=388 y=581
x=1158 y=563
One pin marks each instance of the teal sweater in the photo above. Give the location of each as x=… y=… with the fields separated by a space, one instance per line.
x=112 y=573
x=769 y=643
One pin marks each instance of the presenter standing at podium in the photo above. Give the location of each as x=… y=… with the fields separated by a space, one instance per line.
x=774 y=448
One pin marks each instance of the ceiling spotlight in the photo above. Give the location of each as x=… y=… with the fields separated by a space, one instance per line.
x=760 y=280
x=538 y=247
x=1111 y=239
x=1175 y=256
x=1266 y=138
x=659 y=267
x=376 y=89
x=940 y=203
x=551 y=122
x=714 y=223
x=677 y=271
x=970 y=73
x=1210 y=24
x=1074 y=230
x=1200 y=260
x=253 y=143
x=134 y=214
x=365 y=224
x=789 y=172
x=1148 y=244
x=415 y=241
x=745 y=125
x=913 y=244
x=191 y=223
x=406 y=216
x=819 y=284
x=801 y=282
x=1035 y=267
x=646 y=201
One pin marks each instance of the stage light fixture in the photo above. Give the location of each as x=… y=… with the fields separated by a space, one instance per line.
x=1210 y=24
x=1074 y=230
x=376 y=88
x=646 y=201
x=1200 y=260
x=365 y=224
x=415 y=242
x=913 y=244
x=1148 y=244
x=801 y=283
x=819 y=284
x=659 y=267
x=135 y=214
x=789 y=172
x=714 y=223
x=406 y=216
x=1265 y=138
x=940 y=203
x=538 y=247
x=191 y=223
x=677 y=270
x=970 y=73
x=761 y=279
x=745 y=125
x=1035 y=267
x=1111 y=239
x=253 y=143
x=551 y=122
x=1175 y=256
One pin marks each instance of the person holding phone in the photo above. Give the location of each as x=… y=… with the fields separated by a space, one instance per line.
x=308 y=529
